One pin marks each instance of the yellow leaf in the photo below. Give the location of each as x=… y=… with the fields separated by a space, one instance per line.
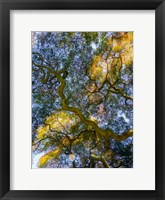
x=42 y=130
x=50 y=155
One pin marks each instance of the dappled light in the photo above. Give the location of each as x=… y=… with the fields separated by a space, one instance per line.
x=82 y=99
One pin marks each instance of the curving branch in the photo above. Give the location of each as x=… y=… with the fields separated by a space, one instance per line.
x=119 y=91
x=100 y=158
x=65 y=106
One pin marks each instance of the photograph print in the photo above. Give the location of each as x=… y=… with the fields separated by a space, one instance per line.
x=82 y=99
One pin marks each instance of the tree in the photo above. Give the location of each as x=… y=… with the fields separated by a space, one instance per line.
x=82 y=92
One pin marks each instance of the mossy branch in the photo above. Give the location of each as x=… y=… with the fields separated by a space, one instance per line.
x=100 y=158
x=65 y=106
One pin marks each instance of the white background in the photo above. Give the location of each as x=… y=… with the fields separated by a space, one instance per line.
x=142 y=175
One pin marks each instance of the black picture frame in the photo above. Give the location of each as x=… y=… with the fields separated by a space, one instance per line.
x=5 y=7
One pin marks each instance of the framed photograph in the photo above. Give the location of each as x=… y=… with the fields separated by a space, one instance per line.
x=82 y=95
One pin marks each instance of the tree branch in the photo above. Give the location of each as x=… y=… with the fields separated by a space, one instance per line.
x=65 y=106
x=100 y=158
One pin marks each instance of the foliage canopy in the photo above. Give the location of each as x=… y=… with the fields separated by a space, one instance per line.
x=82 y=92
